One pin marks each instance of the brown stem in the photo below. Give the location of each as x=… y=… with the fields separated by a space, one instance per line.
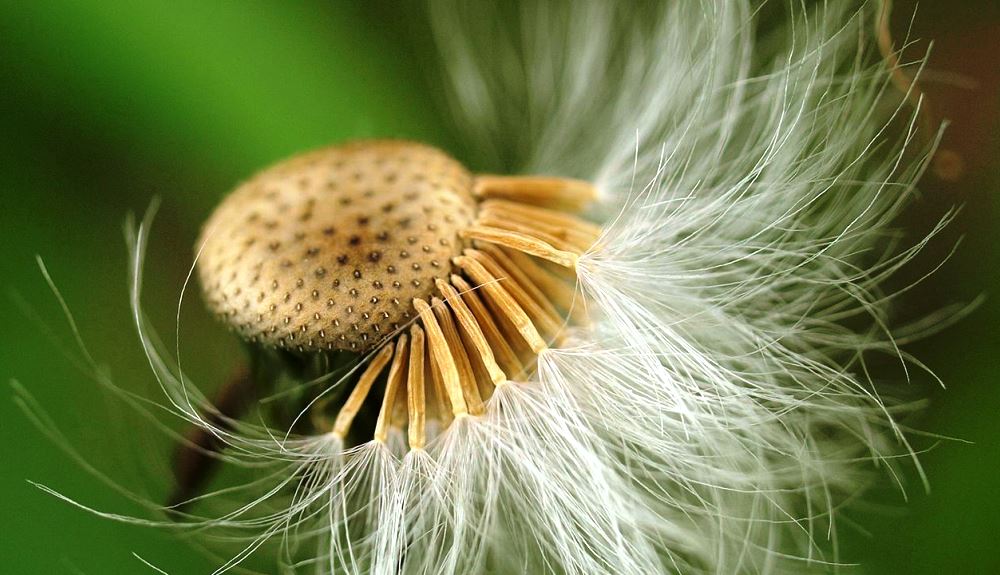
x=197 y=459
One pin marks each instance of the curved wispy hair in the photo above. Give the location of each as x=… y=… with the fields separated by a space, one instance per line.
x=718 y=410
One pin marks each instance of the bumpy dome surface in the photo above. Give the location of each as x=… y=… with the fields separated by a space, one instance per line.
x=327 y=250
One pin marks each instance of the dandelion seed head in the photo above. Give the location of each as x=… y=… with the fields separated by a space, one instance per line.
x=677 y=382
x=327 y=250
x=344 y=248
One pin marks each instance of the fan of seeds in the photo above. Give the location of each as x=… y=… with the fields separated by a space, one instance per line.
x=455 y=282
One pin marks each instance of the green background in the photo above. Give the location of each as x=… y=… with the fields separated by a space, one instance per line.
x=105 y=105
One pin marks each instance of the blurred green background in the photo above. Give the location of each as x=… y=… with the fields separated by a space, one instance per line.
x=105 y=105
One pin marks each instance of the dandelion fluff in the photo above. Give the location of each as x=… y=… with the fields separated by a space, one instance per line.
x=675 y=383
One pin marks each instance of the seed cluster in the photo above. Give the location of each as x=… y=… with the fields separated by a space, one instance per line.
x=464 y=279
x=327 y=250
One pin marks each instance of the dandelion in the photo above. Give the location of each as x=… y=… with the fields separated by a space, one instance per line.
x=642 y=350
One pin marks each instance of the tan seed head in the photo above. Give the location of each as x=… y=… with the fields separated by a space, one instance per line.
x=327 y=250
